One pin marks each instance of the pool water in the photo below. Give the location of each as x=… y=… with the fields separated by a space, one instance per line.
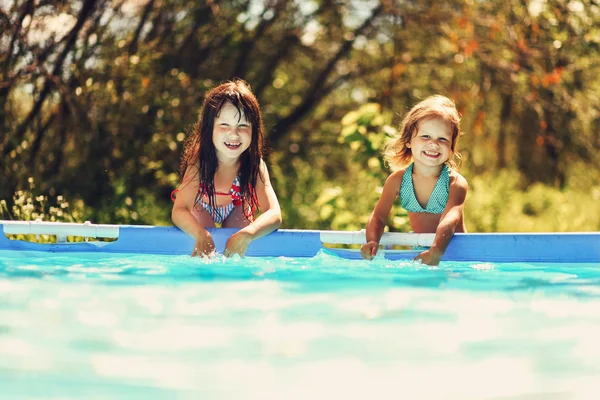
x=87 y=326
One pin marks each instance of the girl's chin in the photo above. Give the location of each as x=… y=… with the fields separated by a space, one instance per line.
x=431 y=161
x=229 y=154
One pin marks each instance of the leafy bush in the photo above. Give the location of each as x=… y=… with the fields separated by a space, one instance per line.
x=27 y=206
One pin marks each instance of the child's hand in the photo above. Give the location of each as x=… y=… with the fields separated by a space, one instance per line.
x=369 y=249
x=237 y=244
x=204 y=245
x=430 y=257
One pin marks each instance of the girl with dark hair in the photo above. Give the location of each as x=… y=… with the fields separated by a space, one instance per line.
x=224 y=180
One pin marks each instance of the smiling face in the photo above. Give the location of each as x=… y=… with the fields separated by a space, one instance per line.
x=232 y=133
x=431 y=146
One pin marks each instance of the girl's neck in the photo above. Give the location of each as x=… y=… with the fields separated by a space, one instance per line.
x=230 y=163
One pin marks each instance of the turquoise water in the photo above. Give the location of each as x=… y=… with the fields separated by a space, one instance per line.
x=163 y=327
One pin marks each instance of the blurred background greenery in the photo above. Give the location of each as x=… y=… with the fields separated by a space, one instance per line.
x=96 y=98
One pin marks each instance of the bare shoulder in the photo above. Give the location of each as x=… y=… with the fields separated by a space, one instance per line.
x=392 y=184
x=264 y=173
x=263 y=165
x=191 y=174
x=457 y=181
x=395 y=178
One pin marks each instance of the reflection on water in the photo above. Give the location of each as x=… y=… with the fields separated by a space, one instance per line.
x=282 y=328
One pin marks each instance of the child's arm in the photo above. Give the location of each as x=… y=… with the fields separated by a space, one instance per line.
x=452 y=215
x=182 y=213
x=380 y=214
x=267 y=222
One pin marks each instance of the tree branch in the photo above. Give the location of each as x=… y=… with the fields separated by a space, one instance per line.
x=28 y=9
x=247 y=46
x=312 y=95
x=134 y=41
x=86 y=10
x=271 y=65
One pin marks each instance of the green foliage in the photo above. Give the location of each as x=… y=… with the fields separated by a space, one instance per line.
x=101 y=119
x=27 y=206
x=496 y=203
x=365 y=132
x=344 y=200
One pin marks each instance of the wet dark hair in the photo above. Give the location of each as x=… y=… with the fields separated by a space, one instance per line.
x=200 y=152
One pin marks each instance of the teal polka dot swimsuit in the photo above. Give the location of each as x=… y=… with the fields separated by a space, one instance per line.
x=438 y=199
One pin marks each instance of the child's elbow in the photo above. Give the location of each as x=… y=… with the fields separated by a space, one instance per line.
x=275 y=217
x=277 y=220
x=175 y=214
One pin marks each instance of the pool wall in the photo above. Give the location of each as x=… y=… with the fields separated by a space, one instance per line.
x=500 y=247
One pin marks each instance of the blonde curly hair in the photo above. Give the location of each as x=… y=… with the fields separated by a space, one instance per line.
x=434 y=107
